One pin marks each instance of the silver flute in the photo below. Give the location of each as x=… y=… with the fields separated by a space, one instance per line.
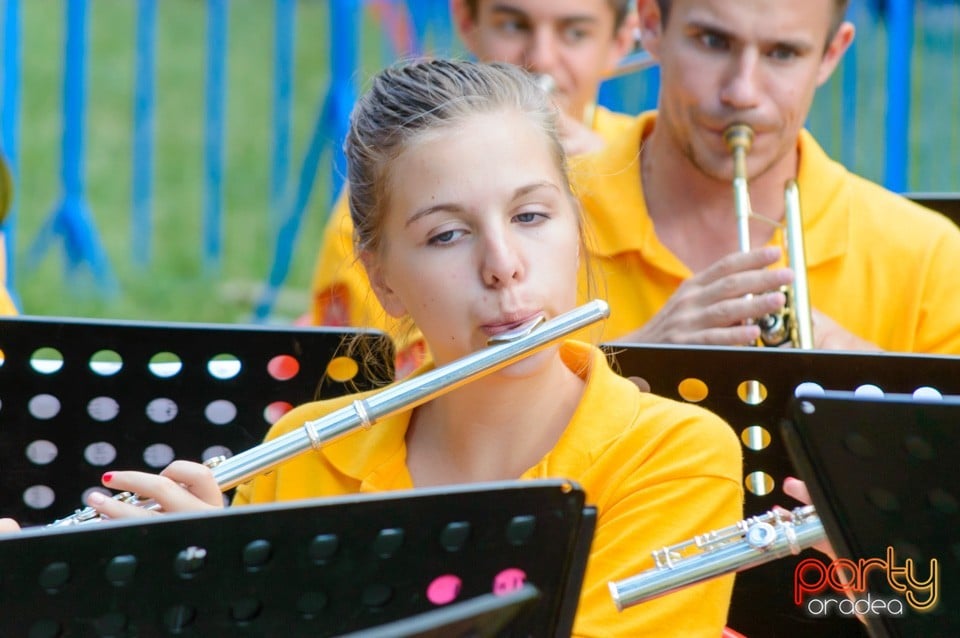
x=503 y=350
x=749 y=543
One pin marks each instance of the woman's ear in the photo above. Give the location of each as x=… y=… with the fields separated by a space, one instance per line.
x=385 y=295
x=625 y=39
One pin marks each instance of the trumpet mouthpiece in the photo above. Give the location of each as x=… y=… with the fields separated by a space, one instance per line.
x=546 y=82
x=738 y=136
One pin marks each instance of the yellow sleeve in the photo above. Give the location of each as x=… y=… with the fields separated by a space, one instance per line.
x=7 y=307
x=341 y=293
x=683 y=482
x=939 y=317
x=342 y=296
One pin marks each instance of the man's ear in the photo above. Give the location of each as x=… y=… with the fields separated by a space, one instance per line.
x=838 y=45
x=465 y=23
x=385 y=295
x=651 y=26
x=625 y=39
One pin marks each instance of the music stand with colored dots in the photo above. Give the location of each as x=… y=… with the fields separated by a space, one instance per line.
x=510 y=557
x=716 y=378
x=883 y=477
x=81 y=397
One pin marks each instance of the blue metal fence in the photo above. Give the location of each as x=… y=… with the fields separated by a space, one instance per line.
x=71 y=220
x=10 y=120
x=900 y=77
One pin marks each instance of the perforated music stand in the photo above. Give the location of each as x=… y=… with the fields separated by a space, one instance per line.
x=882 y=474
x=762 y=597
x=481 y=617
x=79 y=397
x=318 y=568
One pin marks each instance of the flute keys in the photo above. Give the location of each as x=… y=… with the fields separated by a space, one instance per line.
x=761 y=535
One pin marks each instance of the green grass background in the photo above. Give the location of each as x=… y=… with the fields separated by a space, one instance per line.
x=175 y=287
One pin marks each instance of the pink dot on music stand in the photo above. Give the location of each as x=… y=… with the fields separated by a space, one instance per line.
x=273 y=412
x=509 y=580
x=283 y=367
x=444 y=589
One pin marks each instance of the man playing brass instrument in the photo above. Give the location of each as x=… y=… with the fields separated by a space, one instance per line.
x=575 y=42
x=880 y=269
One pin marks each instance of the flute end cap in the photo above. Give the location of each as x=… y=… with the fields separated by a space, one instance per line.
x=603 y=308
x=615 y=595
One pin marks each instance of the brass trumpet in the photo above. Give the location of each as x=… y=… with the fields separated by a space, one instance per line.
x=794 y=323
x=503 y=350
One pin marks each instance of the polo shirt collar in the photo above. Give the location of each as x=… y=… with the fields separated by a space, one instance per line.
x=375 y=456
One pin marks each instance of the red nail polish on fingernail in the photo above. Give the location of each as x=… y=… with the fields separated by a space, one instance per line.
x=107 y=477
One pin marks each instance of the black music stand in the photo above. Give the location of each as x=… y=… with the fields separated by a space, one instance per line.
x=485 y=616
x=714 y=378
x=79 y=397
x=307 y=568
x=882 y=474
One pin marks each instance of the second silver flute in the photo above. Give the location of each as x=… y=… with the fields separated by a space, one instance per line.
x=749 y=543
x=505 y=349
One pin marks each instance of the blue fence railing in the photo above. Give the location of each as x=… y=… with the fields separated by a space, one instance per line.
x=889 y=113
x=71 y=220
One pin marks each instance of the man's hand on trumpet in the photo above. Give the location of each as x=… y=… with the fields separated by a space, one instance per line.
x=714 y=306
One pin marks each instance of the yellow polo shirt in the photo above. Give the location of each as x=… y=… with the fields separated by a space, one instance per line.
x=657 y=471
x=881 y=266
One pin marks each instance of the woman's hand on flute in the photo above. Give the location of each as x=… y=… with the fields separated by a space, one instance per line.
x=183 y=486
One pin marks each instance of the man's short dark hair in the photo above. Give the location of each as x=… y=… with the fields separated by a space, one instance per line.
x=839 y=13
